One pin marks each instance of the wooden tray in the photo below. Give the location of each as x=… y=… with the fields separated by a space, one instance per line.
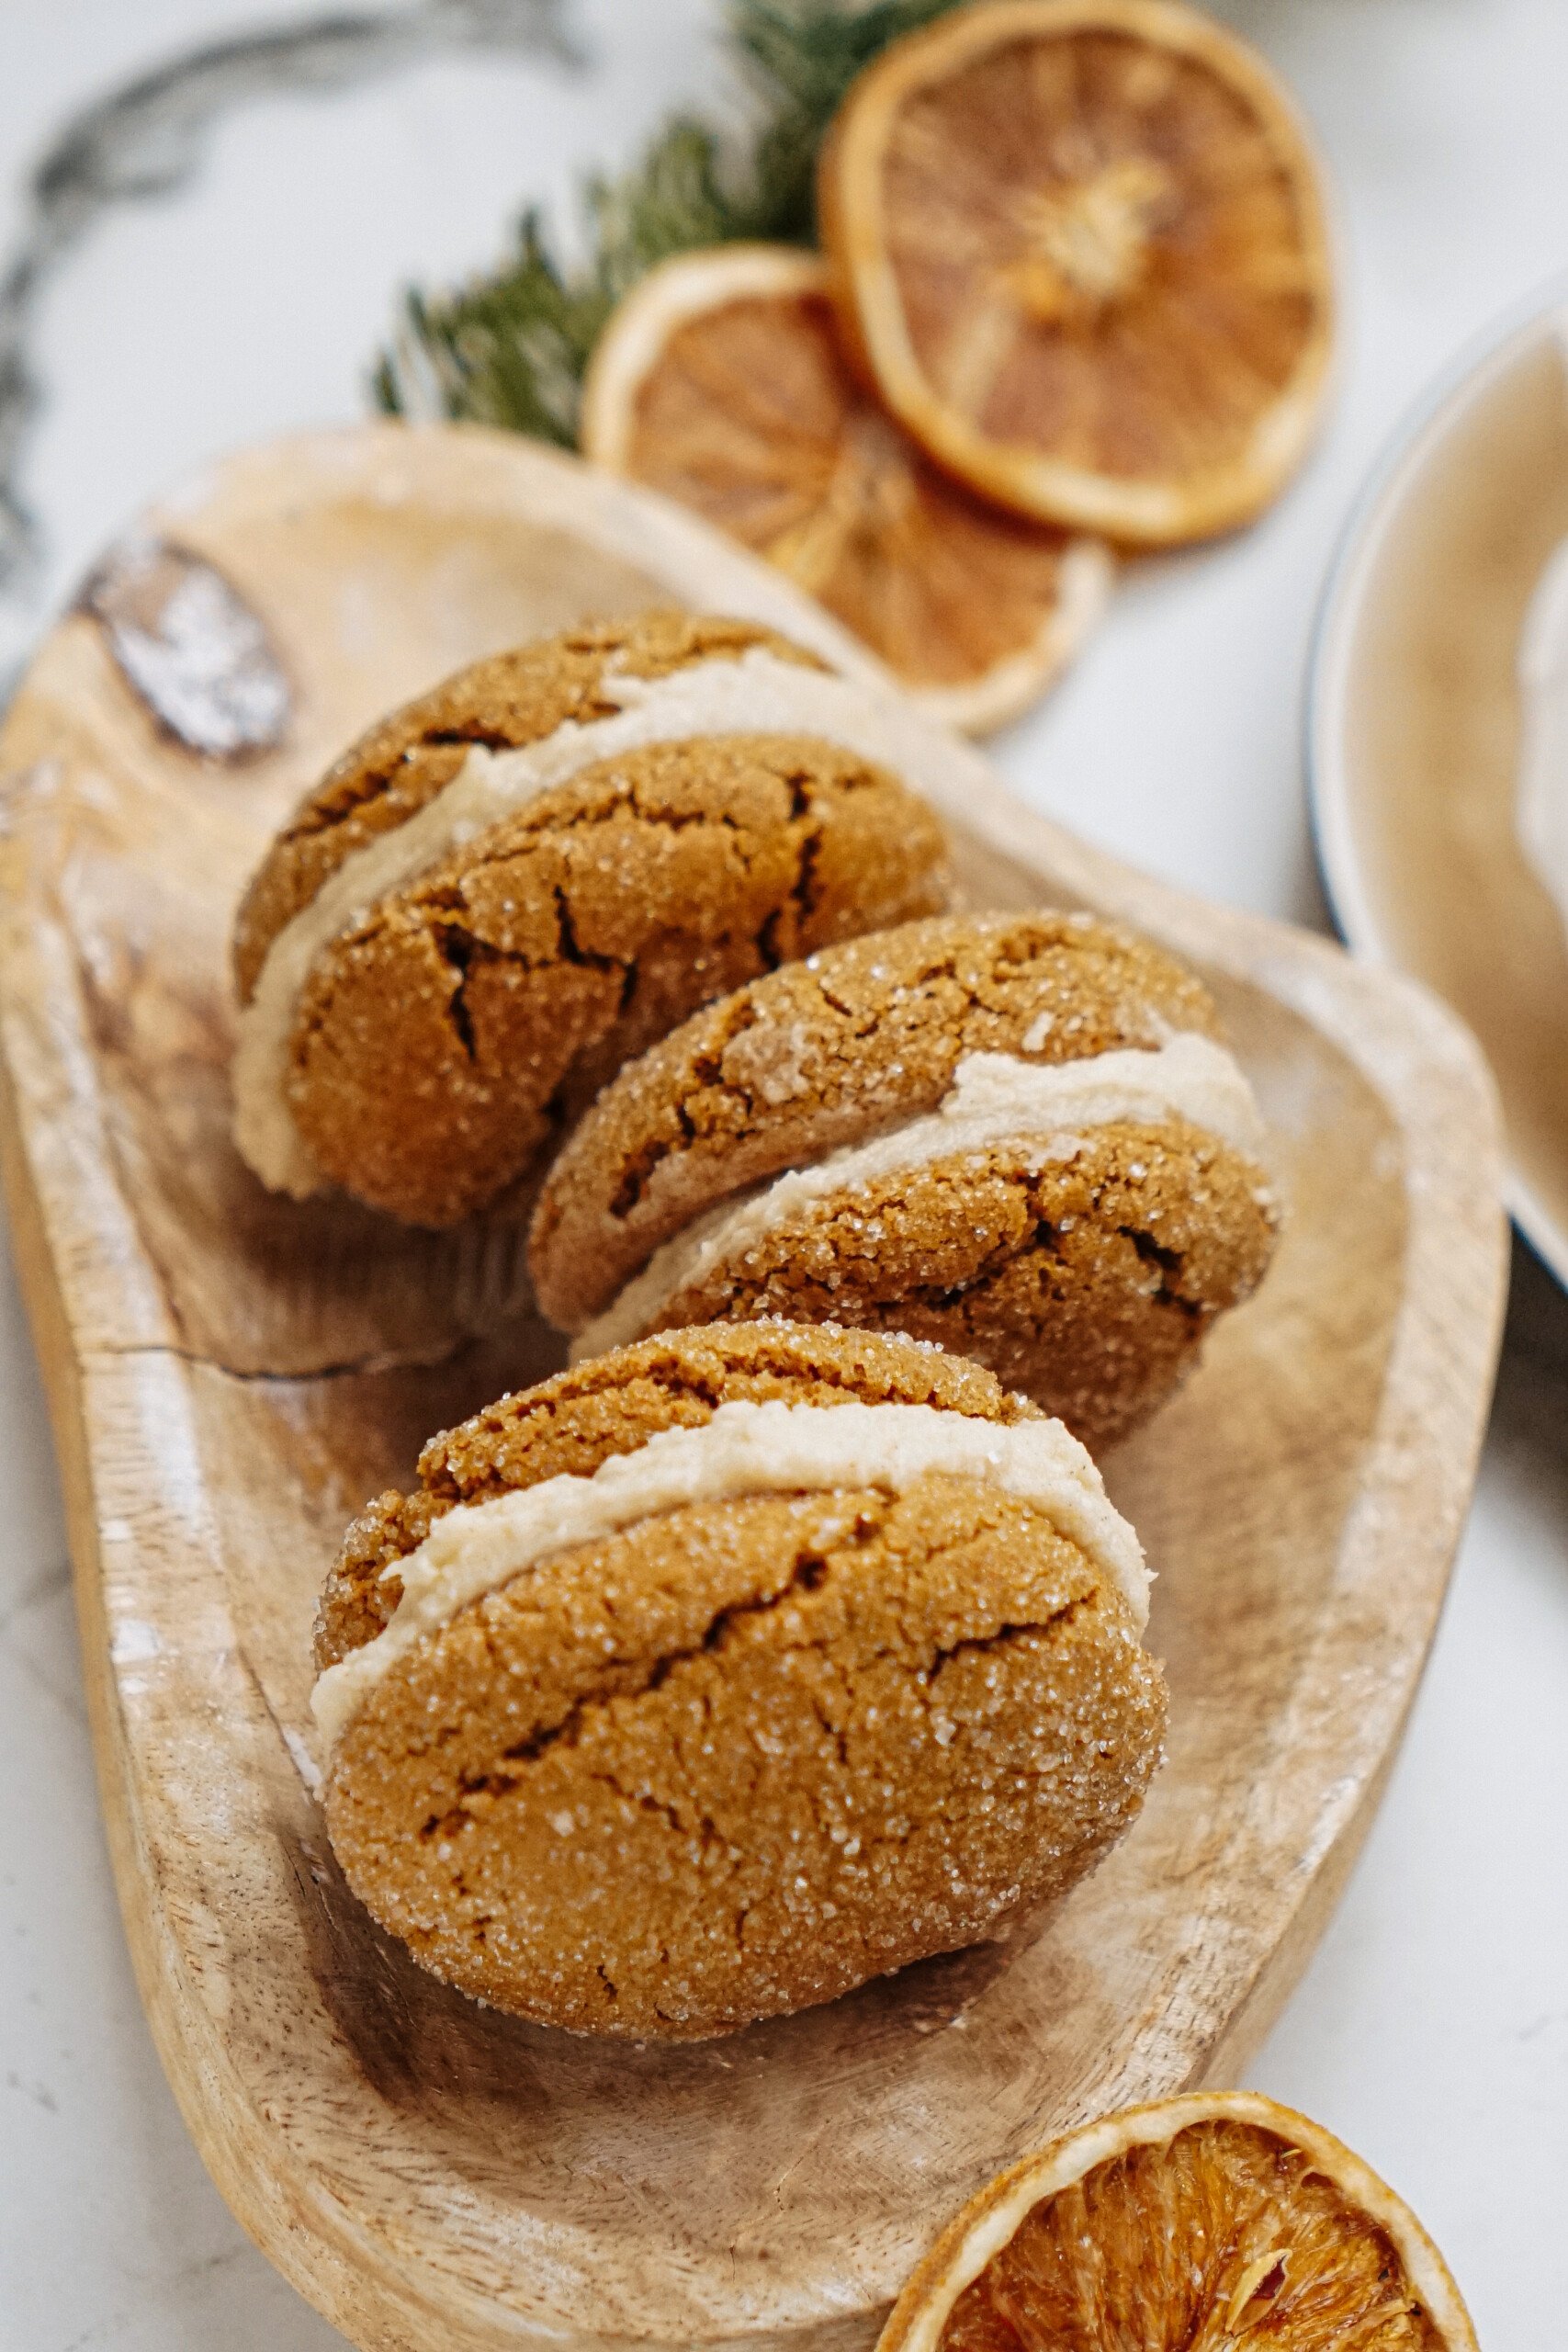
x=230 y=1375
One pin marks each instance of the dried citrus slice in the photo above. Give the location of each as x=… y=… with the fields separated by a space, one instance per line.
x=720 y=380
x=1219 y=2223
x=1080 y=246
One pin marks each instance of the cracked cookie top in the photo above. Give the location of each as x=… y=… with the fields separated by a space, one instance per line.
x=506 y=703
x=1019 y=1137
x=828 y=1052
x=534 y=872
x=568 y=1425
x=826 y=1659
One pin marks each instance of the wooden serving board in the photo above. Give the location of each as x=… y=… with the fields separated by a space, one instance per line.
x=230 y=1375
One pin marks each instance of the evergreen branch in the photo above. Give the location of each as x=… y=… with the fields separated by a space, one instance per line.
x=511 y=348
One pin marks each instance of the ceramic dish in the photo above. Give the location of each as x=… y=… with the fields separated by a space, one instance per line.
x=1414 y=732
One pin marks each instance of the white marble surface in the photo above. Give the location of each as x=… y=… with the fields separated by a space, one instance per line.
x=1432 y=2029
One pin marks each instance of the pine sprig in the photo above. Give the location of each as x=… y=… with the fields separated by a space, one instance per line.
x=801 y=56
x=511 y=348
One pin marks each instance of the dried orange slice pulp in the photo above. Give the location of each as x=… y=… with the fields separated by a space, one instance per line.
x=720 y=380
x=1080 y=246
x=1219 y=2223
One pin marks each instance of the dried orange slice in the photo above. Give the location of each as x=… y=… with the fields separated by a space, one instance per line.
x=720 y=380
x=1219 y=2223
x=1080 y=246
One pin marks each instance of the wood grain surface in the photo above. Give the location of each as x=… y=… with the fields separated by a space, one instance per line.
x=230 y=1375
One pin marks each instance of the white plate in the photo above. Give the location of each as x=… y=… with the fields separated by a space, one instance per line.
x=1412 y=732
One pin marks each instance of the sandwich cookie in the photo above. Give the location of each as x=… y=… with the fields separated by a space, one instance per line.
x=506 y=888
x=1018 y=1136
x=712 y=1677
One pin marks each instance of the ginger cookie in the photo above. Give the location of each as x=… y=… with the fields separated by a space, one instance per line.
x=1018 y=1136
x=711 y=1679
x=505 y=888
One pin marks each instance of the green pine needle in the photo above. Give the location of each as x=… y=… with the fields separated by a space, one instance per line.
x=511 y=349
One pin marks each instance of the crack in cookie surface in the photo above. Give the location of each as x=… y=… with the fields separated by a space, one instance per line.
x=572 y=934
x=1086 y=1283
x=569 y=1424
x=815 y=1754
x=510 y=700
x=825 y=1054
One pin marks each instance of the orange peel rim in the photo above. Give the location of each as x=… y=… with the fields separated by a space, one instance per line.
x=1149 y=514
x=688 y=284
x=990 y=2220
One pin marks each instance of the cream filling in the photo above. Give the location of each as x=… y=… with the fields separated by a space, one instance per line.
x=995 y=1101
x=746 y=1449
x=758 y=694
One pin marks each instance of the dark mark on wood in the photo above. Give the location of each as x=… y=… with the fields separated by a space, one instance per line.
x=190 y=646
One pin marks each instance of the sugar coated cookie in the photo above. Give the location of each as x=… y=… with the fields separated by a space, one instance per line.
x=506 y=888
x=712 y=1677
x=1018 y=1136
